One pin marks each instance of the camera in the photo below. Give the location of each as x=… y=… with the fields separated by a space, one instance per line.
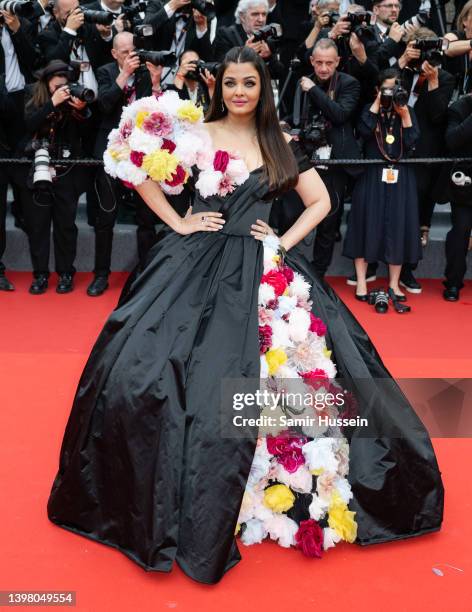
x=314 y=135
x=200 y=67
x=82 y=93
x=393 y=95
x=22 y=8
x=158 y=58
x=379 y=299
x=273 y=30
x=42 y=178
x=143 y=37
x=418 y=20
x=360 y=23
x=203 y=7
x=334 y=17
x=460 y=179
x=432 y=50
x=131 y=13
x=100 y=17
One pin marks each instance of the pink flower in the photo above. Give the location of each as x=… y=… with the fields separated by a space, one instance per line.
x=168 y=145
x=287 y=450
x=272 y=304
x=126 y=129
x=288 y=273
x=265 y=316
x=178 y=177
x=317 y=326
x=225 y=186
x=220 y=161
x=315 y=378
x=128 y=184
x=275 y=279
x=309 y=538
x=136 y=158
x=265 y=338
x=157 y=124
x=325 y=484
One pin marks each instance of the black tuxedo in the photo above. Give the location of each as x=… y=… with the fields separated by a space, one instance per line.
x=386 y=49
x=111 y=99
x=55 y=43
x=164 y=31
x=24 y=49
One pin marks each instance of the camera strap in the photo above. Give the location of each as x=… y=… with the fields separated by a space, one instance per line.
x=389 y=133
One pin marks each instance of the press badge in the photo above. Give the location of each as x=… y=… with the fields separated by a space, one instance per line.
x=390 y=175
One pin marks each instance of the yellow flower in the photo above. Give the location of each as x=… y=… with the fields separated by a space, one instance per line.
x=140 y=117
x=327 y=352
x=189 y=112
x=278 y=498
x=160 y=165
x=341 y=519
x=276 y=259
x=275 y=358
x=317 y=472
x=238 y=529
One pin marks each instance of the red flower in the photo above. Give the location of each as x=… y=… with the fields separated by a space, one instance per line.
x=128 y=184
x=317 y=325
x=220 y=161
x=309 y=539
x=275 y=279
x=287 y=450
x=316 y=378
x=178 y=177
x=168 y=145
x=136 y=158
x=288 y=273
x=265 y=338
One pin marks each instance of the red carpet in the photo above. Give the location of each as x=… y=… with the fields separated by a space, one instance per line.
x=45 y=341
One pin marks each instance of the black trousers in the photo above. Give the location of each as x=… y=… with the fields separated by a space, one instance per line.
x=3 y=216
x=335 y=181
x=457 y=242
x=61 y=215
x=426 y=181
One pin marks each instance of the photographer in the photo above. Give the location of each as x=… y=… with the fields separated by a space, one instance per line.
x=251 y=19
x=115 y=7
x=194 y=82
x=383 y=222
x=6 y=113
x=458 y=141
x=327 y=101
x=54 y=119
x=430 y=90
x=459 y=52
x=179 y=26
x=321 y=15
x=388 y=32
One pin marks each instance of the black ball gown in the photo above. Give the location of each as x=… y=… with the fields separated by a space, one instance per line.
x=143 y=465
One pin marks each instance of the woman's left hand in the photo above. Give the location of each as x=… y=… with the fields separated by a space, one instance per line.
x=209 y=81
x=261 y=230
x=77 y=103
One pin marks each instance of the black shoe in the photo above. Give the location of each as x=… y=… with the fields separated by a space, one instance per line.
x=362 y=298
x=5 y=284
x=393 y=295
x=65 y=283
x=98 y=286
x=400 y=308
x=451 y=294
x=410 y=283
x=371 y=276
x=39 y=284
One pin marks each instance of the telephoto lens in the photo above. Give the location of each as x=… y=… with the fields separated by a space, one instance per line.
x=24 y=8
x=82 y=93
x=158 y=58
x=100 y=17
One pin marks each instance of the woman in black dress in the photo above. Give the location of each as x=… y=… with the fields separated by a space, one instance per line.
x=383 y=223
x=145 y=466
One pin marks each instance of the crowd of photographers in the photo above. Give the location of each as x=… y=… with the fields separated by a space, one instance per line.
x=379 y=81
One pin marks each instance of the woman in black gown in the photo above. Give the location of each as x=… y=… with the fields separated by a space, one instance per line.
x=144 y=466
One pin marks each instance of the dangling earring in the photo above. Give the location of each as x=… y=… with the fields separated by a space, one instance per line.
x=223 y=107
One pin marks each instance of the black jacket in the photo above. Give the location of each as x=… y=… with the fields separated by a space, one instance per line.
x=339 y=112
x=235 y=36
x=385 y=50
x=55 y=43
x=111 y=99
x=290 y=14
x=225 y=10
x=459 y=127
x=164 y=30
x=431 y=113
x=24 y=49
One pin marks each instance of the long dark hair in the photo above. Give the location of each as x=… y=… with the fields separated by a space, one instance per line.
x=280 y=166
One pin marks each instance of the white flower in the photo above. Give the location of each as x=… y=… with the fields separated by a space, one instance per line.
x=237 y=171
x=301 y=480
x=110 y=164
x=286 y=371
x=282 y=529
x=254 y=532
x=318 y=507
x=280 y=334
x=171 y=190
x=299 y=324
x=168 y=103
x=299 y=287
x=286 y=304
x=144 y=142
x=319 y=454
x=330 y=538
x=266 y=293
x=127 y=171
x=271 y=242
x=260 y=464
x=264 y=373
x=187 y=148
x=344 y=489
x=208 y=182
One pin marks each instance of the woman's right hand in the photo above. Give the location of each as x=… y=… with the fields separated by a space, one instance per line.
x=207 y=221
x=60 y=95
